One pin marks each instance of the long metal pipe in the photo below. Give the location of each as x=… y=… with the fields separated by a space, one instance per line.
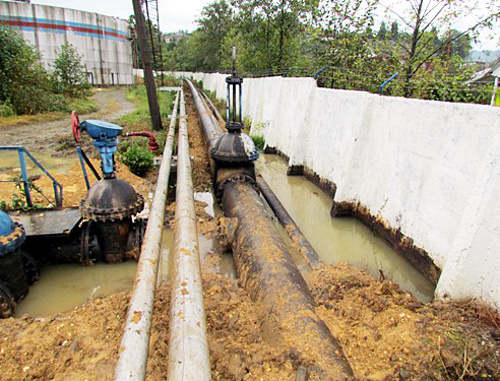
x=135 y=341
x=188 y=346
x=211 y=131
x=293 y=231
x=269 y=275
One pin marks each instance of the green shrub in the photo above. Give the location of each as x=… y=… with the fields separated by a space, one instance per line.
x=6 y=110
x=138 y=158
x=69 y=73
x=24 y=82
x=259 y=141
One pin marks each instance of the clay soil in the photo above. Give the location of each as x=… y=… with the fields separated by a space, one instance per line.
x=385 y=333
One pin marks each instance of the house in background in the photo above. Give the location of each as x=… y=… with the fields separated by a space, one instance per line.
x=489 y=75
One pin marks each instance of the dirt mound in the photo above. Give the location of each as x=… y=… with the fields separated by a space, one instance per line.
x=387 y=334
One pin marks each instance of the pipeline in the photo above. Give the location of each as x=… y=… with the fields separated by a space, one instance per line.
x=188 y=346
x=152 y=144
x=293 y=231
x=214 y=109
x=270 y=276
x=135 y=341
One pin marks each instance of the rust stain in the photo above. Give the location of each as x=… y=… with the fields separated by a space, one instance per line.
x=186 y=252
x=184 y=291
x=137 y=317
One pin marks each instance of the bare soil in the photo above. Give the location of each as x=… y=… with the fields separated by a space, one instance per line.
x=47 y=136
x=385 y=333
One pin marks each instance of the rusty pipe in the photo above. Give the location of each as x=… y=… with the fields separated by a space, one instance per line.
x=133 y=358
x=152 y=144
x=188 y=357
x=306 y=250
x=268 y=273
x=270 y=276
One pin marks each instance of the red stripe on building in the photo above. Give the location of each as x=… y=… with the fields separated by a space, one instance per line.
x=62 y=27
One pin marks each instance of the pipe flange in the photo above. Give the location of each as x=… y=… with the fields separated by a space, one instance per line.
x=13 y=241
x=92 y=213
x=240 y=178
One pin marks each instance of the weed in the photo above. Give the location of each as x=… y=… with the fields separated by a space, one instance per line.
x=18 y=200
x=138 y=158
x=140 y=118
x=259 y=141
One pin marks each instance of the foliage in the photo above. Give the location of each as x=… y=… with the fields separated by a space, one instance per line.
x=24 y=83
x=298 y=37
x=138 y=158
x=140 y=118
x=18 y=200
x=259 y=141
x=69 y=74
x=6 y=110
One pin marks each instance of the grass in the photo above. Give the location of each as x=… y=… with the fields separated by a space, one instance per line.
x=82 y=106
x=140 y=119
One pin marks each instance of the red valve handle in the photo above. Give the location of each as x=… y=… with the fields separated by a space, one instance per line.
x=75 y=125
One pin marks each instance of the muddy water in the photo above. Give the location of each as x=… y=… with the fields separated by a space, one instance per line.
x=63 y=287
x=337 y=240
x=10 y=166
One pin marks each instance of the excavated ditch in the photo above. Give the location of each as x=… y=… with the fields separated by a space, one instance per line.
x=385 y=332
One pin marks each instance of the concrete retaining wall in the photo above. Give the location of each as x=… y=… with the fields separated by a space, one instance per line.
x=429 y=169
x=103 y=41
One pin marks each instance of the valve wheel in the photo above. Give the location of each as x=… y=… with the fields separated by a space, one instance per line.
x=75 y=126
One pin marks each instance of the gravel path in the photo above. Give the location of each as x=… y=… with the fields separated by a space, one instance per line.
x=40 y=137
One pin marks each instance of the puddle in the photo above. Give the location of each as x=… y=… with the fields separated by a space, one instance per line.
x=63 y=287
x=337 y=240
x=10 y=166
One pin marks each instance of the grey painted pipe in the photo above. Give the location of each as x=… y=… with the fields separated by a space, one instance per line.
x=216 y=112
x=135 y=341
x=211 y=131
x=188 y=347
x=293 y=231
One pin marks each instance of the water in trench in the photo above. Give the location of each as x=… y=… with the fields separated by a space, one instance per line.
x=63 y=287
x=10 y=166
x=337 y=240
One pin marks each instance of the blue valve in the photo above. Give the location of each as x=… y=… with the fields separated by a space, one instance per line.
x=105 y=140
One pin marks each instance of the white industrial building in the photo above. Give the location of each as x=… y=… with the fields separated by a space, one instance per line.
x=103 y=41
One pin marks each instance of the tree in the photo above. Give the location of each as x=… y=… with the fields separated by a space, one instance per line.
x=429 y=23
x=382 y=32
x=69 y=73
x=215 y=23
x=280 y=23
x=345 y=27
x=24 y=83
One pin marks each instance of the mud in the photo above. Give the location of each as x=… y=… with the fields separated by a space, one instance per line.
x=385 y=333
x=74 y=188
x=202 y=176
x=49 y=136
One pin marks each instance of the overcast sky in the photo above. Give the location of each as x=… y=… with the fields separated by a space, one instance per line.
x=181 y=15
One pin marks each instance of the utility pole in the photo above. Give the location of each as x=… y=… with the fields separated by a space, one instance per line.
x=147 y=65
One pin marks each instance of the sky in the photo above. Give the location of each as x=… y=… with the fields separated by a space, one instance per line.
x=178 y=15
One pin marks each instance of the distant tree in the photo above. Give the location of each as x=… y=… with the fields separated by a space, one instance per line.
x=215 y=23
x=382 y=32
x=394 y=31
x=69 y=72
